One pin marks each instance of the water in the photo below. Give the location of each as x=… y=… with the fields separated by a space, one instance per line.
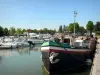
x=24 y=61
x=20 y=62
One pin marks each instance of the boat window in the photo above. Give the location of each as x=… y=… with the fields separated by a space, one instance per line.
x=67 y=40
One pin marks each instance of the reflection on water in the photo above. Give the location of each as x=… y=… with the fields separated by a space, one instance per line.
x=23 y=61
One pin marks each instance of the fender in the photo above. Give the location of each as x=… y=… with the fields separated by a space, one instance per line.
x=52 y=56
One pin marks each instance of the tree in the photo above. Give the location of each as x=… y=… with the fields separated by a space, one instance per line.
x=64 y=28
x=19 y=31
x=76 y=27
x=12 y=31
x=82 y=30
x=97 y=26
x=1 y=31
x=41 y=31
x=60 y=29
x=67 y=28
x=23 y=31
x=90 y=26
x=71 y=27
x=52 y=32
x=45 y=30
x=6 y=32
x=33 y=31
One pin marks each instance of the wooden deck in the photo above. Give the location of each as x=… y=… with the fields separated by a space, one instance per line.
x=95 y=70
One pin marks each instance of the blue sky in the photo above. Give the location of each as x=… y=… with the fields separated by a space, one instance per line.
x=47 y=13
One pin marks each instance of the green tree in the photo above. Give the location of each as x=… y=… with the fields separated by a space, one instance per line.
x=1 y=31
x=52 y=31
x=19 y=31
x=71 y=27
x=67 y=28
x=6 y=32
x=82 y=30
x=90 y=26
x=33 y=30
x=76 y=27
x=12 y=31
x=23 y=31
x=64 y=28
x=41 y=31
x=45 y=30
x=60 y=29
x=97 y=26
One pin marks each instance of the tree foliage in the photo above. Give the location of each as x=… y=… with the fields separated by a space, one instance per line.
x=1 y=31
x=24 y=30
x=64 y=28
x=97 y=26
x=76 y=27
x=45 y=30
x=81 y=29
x=60 y=29
x=12 y=31
x=71 y=27
x=33 y=31
x=90 y=26
x=19 y=31
x=67 y=28
x=6 y=31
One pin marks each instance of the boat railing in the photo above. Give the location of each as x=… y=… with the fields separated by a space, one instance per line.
x=80 y=45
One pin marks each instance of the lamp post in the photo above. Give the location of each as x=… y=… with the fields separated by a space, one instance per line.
x=75 y=14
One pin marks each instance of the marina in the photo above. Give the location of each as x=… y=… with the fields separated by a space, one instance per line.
x=49 y=37
x=27 y=61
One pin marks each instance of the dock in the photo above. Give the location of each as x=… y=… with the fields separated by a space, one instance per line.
x=95 y=70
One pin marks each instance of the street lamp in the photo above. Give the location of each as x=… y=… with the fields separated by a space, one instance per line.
x=75 y=14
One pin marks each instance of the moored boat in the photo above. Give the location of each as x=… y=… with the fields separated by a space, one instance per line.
x=61 y=57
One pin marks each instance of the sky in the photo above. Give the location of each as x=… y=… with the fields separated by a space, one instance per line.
x=38 y=14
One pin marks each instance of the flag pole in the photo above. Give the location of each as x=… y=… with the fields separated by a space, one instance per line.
x=75 y=13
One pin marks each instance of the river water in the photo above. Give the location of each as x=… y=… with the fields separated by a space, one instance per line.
x=23 y=61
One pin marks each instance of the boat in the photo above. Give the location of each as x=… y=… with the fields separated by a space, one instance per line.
x=36 y=40
x=60 y=57
x=11 y=43
x=7 y=43
x=22 y=42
